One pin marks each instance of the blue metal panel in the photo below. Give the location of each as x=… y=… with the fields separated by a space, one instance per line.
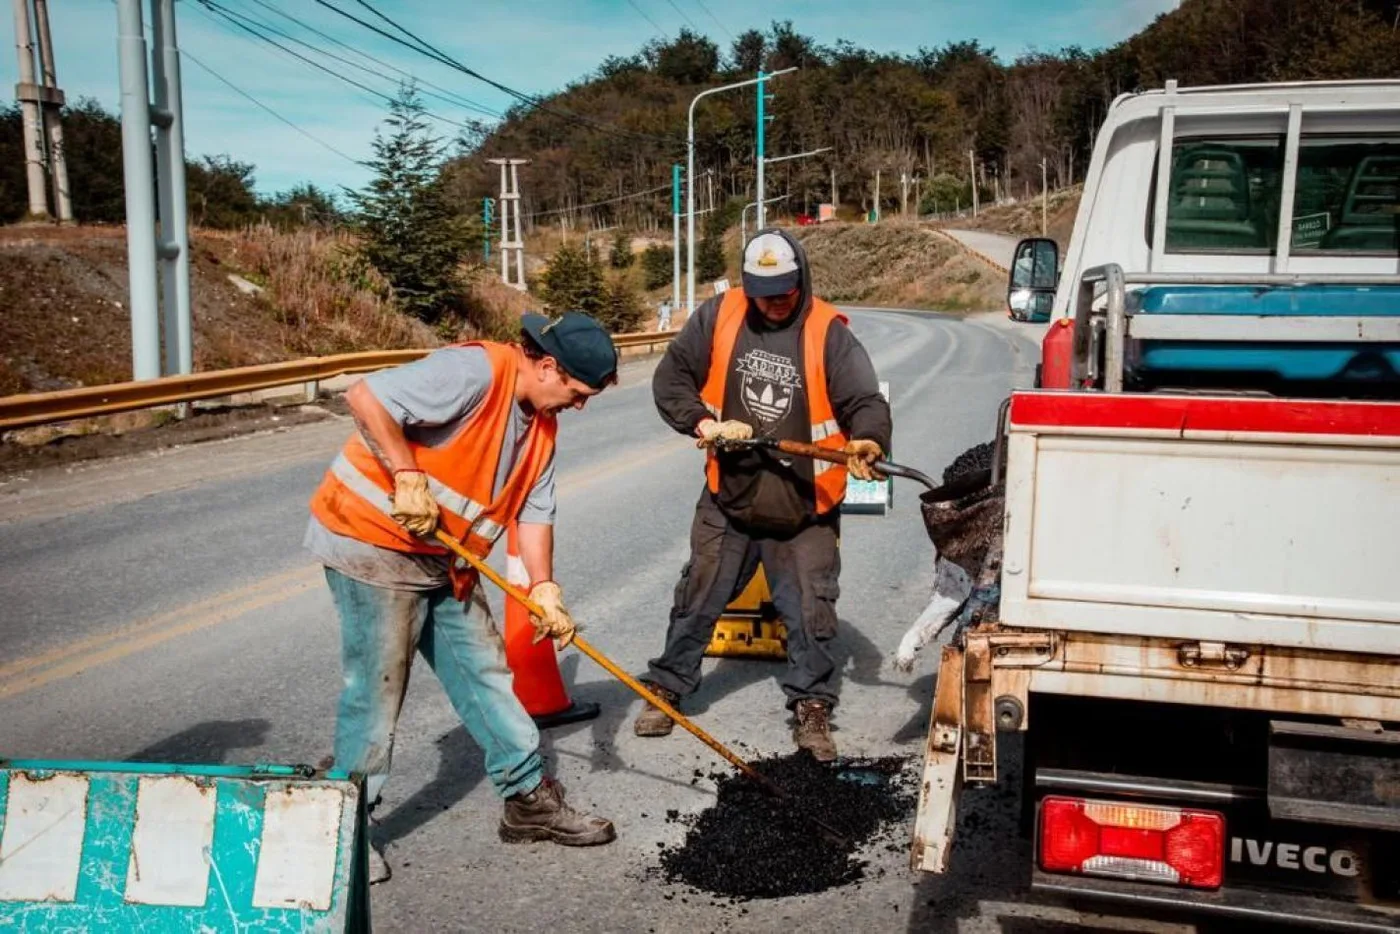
x=1284 y=361
x=101 y=901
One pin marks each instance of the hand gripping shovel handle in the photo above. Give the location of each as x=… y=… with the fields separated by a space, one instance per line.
x=802 y=449
x=582 y=645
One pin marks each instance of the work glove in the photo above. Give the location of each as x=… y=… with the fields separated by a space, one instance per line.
x=862 y=455
x=714 y=433
x=556 y=621
x=414 y=507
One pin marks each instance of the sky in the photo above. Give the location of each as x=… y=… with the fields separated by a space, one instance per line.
x=534 y=46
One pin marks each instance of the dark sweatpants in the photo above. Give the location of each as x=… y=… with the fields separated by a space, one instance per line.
x=802 y=574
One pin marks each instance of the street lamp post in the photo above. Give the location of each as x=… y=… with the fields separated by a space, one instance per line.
x=744 y=218
x=690 y=175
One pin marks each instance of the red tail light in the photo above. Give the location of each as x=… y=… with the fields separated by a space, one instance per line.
x=1129 y=841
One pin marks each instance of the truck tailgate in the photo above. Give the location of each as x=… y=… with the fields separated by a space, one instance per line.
x=1221 y=519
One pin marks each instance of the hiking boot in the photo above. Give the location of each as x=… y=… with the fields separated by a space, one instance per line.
x=543 y=814
x=812 y=731
x=651 y=721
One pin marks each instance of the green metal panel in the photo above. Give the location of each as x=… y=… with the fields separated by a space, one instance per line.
x=99 y=846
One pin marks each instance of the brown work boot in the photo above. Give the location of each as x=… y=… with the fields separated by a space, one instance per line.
x=812 y=731
x=543 y=814
x=651 y=721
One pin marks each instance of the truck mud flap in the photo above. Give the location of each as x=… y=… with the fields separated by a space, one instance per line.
x=941 y=783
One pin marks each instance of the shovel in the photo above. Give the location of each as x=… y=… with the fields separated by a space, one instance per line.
x=611 y=668
x=955 y=490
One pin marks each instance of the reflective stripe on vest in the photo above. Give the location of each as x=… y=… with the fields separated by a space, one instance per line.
x=447 y=498
x=355 y=498
x=830 y=479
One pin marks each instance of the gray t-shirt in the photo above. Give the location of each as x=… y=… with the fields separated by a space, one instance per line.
x=431 y=398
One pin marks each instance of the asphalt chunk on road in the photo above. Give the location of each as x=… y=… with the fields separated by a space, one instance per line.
x=750 y=844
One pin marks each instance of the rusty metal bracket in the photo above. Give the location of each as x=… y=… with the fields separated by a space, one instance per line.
x=979 y=738
x=942 y=779
x=1212 y=655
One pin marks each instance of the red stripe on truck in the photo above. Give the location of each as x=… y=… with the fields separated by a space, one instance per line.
x=1199 y=414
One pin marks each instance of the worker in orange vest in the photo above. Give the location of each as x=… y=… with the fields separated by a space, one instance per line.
x=462 y=440
x=768 y=359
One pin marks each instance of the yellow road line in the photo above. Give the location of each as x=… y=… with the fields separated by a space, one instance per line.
x=26 y=674
x=69 y=659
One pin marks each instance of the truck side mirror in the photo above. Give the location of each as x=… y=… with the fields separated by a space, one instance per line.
x=1035 y=272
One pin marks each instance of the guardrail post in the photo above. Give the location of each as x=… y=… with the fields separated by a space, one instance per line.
x=312 y=388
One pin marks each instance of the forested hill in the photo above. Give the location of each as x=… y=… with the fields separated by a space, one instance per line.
x=618 y=132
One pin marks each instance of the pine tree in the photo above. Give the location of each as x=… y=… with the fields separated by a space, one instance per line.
x=408 y=230
x=622 y=308
x=657 y=262
x=620 y=256
x=573 y=282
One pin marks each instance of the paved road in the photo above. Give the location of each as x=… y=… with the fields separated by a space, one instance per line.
x=160 y=608
x=999 y=248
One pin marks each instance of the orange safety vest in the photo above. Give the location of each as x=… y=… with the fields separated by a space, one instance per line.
x=825 y=432
x=355 y=497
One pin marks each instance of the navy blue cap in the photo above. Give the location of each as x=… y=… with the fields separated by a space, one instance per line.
x=580 y=344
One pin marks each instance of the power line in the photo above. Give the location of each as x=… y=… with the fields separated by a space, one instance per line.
x=237 y=21
x=643 y=13
x=599 y=204
x=704 y=6
x=315 y=139
x=423 y=48
x=449 y=97
x=681 y=14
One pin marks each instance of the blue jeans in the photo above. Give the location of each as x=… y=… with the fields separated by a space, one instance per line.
x=379 y=629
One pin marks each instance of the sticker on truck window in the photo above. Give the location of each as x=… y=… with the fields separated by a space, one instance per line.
x=1309 y=229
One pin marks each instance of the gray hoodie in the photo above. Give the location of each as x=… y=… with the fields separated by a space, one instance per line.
x=760 y=490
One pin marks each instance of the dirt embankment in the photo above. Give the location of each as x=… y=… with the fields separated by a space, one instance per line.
x=897 y=265
x=258 y=296
x=1022 y=219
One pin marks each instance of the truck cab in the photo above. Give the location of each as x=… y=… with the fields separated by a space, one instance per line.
x=1193 y=613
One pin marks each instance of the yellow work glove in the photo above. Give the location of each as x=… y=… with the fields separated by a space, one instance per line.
x=862 y=455
x=712 y=432
x=556 y=621
x=414 y=507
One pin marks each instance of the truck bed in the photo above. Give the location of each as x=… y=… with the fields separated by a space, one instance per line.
x=1224 y=519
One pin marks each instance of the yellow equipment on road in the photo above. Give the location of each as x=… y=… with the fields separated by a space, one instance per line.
x=750 y=627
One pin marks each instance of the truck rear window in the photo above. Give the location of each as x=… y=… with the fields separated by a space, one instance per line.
x=1225 y=195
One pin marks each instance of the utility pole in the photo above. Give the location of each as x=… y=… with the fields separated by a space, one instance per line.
x=877 y=196
x=53 y=116
x=903 y=194
x=675 y=237
x=486 y=205
x=1044 y=197
x=761 y=144
x=972 y=175
x=690 y=176
x=510 y=217
x=173 y=247
x=30 y=94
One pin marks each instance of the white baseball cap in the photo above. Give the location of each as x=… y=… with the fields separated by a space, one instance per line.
x=770 y=266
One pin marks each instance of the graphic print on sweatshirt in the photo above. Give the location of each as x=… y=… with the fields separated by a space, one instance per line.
x=768 y=382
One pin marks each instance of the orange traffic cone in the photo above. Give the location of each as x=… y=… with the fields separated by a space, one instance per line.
x=537 y=682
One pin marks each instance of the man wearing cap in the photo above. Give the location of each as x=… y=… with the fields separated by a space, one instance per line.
x=461 y=440
x=768 y=359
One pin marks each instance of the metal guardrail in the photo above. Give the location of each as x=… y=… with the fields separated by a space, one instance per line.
x=28 y=410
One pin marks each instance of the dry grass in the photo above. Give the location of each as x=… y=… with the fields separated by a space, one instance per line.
x=894 y=264
x=1022 y=219
x=323 y=298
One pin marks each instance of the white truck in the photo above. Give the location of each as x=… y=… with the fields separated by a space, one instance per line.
x=1192 y=610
